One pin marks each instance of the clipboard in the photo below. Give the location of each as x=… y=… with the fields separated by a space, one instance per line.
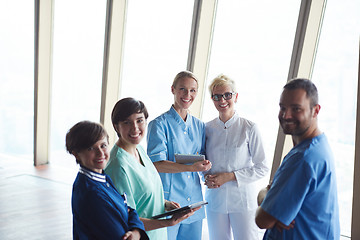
x=177 y=210
x=188 y=158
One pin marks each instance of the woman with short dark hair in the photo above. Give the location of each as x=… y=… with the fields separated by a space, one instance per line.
x=133 y=172
x=99 y=211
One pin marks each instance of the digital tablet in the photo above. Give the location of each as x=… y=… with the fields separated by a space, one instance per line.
x=188 y=158
x=177 y=210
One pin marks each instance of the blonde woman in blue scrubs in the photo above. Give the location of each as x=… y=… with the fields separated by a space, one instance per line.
x=234 y=147
x=178 y=132
x=134 y=174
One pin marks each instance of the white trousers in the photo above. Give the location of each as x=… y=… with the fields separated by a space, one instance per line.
x=242 y=224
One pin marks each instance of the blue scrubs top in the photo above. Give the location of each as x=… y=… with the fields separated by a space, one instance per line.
x=304 y=189
x=99 y=211
x=168 y=135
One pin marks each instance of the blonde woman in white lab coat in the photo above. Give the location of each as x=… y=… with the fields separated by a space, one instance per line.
x=235 y=150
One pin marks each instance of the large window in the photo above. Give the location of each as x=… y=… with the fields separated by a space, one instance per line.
x=252 y=44
x=79 y=30
x=156 y=49
x=17 y=78
x=336 y=74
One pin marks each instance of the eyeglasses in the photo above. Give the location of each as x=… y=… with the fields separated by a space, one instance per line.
x=226 y=96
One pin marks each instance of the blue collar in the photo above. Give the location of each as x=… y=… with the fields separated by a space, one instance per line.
x=179 y=119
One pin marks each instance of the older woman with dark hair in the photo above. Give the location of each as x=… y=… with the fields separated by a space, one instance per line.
x=99 y=211
x=133 y=172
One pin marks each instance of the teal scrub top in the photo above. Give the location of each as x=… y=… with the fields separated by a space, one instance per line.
x=141 y=183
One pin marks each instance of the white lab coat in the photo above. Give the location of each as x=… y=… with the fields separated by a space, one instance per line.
x=235 y=146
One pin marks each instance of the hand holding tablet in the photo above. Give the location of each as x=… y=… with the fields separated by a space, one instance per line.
x=177 y=210
x=188 y=158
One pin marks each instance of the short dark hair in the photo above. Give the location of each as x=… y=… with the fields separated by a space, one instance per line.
x=308 y=86
x=125 y=107
x=83 y=135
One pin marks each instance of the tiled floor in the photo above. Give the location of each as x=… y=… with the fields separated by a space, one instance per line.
x=34 y=202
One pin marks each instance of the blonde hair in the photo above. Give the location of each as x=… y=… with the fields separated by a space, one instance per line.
x=184 y=74
x=222 y=80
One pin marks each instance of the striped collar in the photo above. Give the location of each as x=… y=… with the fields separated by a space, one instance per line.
x=92 y=175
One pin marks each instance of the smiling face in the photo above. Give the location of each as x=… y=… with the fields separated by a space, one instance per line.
x=95 y=157
x=296 y=116
x=226 y=108
x=132 y=130
x=184 y=93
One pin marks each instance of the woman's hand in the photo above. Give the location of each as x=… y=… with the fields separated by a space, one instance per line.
x=181 y=216
x=170 y=205
x=151 y=224
x=201 y=166
x=132 y=235
x=216 y=180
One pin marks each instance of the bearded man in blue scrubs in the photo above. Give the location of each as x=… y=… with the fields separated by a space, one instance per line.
x=301 y=202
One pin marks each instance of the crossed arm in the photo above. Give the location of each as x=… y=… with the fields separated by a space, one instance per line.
x=266 y=221
x=262 y=218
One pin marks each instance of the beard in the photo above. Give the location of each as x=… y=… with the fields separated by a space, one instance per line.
x=295 y=128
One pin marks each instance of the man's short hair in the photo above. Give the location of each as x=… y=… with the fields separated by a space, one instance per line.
x=308 y=86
